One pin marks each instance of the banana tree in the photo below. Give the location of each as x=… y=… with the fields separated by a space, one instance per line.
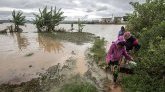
x=18 y=19
x=48 y=19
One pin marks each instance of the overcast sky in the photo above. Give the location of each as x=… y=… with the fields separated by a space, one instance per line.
x=72 y=8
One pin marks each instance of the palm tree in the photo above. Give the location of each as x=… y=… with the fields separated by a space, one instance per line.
x=48 y=19
x=18 y=19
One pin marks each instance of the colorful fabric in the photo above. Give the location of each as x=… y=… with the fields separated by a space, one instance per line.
x=127 y=35
x=115 y=54
x=131 y=43
x=121 y=33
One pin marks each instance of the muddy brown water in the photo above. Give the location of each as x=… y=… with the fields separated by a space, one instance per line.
x=16 y=66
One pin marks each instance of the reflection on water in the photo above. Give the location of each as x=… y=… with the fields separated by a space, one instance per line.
x=14 y=66
x=48 y=43
x=21 y=40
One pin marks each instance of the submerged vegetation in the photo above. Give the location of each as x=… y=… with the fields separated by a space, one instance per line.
x=46 y=20
x=3 y=31
x=148 y=24
x=74 y=37
x=29 y=54
x=18 y=19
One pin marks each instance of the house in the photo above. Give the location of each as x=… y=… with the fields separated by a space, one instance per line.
x=95 y=21
x=106 y=20
x=117 y=20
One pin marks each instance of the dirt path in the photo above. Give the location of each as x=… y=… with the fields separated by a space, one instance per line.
x=112 y=88
x=115 y=88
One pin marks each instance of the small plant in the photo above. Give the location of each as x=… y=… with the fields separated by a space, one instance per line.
x=80 y=25
x=98 y=50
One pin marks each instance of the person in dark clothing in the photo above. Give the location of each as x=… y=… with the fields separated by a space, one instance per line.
x=121 y=32
x=131 y=42
x=72 y=27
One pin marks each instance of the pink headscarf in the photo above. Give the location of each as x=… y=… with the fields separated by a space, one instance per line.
x=118 y=53
x=127 y=34
x=120 y=39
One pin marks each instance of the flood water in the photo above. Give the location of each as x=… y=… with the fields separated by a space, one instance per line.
x=15 y=64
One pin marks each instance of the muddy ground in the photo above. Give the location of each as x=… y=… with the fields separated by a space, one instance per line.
x=56 y=76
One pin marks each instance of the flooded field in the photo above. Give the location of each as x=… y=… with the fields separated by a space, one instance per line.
x=24 y=56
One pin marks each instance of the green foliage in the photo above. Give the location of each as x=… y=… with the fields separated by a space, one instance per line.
x=153 y=36
x=47 y=19
x=146 y=15
x=136 y=83
x=18 y=19
x=148 y=20
x=98 y=50
x=78 y=87
x=125 y=18
x=74 y=37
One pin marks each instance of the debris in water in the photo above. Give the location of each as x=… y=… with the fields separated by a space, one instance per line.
x=73 y=53
x=29 y=54
x=30 y=66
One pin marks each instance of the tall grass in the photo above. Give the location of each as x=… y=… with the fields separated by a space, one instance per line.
x=98 y=51
x=79 y=87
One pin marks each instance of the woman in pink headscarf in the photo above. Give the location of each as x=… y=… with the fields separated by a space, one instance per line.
x=131 y=42
x=116 y=52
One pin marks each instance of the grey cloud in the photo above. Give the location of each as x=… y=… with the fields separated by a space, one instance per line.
x=123 y=4
x=62 y=3
x=4 y=13
x=102 y=8
x=89 y=6
x=26 y=4
x=8 y=15
x=89 y=10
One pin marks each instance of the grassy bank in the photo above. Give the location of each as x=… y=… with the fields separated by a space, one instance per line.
x=78 y=84
x=74 y=37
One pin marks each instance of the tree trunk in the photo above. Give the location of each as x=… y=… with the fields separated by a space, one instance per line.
x=16 y=28
x=38 y=29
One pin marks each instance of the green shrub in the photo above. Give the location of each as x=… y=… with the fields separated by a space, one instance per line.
x=146 y=15
x=149 y=21
x=78 y=87
x=98 y=50
x=46 y=20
